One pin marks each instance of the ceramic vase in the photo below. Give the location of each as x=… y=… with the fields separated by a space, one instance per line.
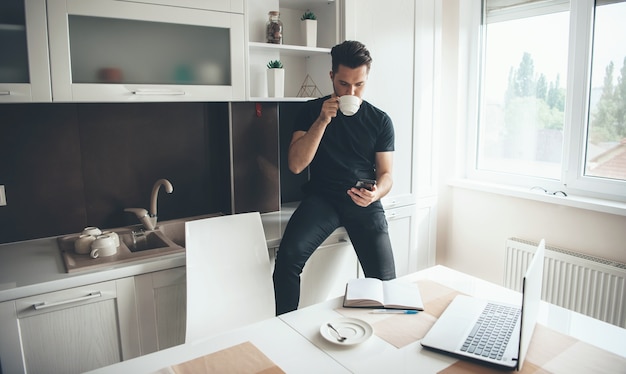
x=276 y=82
x=309 y=32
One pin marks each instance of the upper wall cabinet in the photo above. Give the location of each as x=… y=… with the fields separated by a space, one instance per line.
x=231 y=6
x=24 y=69
x=306 y=67
x=107 y=50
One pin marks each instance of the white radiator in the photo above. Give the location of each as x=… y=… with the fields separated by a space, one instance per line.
x=589 y=285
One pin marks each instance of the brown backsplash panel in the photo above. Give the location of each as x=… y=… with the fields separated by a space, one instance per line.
x=40 y=167
x=126 y=148
x=67 y=166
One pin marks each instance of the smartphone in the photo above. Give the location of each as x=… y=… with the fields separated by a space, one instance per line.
x=368 y=184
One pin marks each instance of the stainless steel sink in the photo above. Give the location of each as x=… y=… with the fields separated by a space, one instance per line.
x=142 y=241
x=174 y=230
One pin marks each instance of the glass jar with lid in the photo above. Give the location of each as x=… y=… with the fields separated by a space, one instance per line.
x=274 y=28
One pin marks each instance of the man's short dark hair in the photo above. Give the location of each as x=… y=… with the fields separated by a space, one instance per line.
x=351 y=54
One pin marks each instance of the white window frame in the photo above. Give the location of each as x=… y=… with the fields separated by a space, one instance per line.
x=572 y=181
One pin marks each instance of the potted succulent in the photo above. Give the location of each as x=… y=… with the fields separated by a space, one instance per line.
x=275 y=79
x=308 y=23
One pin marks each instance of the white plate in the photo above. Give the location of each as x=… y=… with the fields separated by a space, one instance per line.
x=355 y=330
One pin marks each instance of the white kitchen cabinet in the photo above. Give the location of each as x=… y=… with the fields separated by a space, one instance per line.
x=70 y=331
x=231 y=6
x=299 y=61
x=328 y=270
x=402 y=223
x=389 y=34
x=335 y=262
x=402 y=39
x=24 y=66
x=426 y=232
x=162 y=307
x=107 y=50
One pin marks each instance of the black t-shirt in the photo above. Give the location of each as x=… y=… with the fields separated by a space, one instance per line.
x=348 y=148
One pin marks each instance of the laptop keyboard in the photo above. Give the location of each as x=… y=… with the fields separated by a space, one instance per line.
x=492 y=331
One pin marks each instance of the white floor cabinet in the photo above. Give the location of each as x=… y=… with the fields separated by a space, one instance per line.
x=325 y=274
x=403 y=235
x=162 y=307
x=335 y=262
x=70 y=331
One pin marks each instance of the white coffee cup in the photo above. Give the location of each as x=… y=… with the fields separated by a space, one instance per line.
x=113 y=234
x=91 y=231
x=103 y=246
x=349 y=104
x=82 y=245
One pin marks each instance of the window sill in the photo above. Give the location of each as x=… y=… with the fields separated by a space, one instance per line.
x=598 y=205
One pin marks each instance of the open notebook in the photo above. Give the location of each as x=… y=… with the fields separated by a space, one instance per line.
x=462 y=327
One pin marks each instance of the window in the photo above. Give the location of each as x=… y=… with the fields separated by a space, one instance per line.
x=606 y=137
x=552 y=107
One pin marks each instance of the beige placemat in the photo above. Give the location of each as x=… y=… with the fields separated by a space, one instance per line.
x=400 y=330
x=243 y=358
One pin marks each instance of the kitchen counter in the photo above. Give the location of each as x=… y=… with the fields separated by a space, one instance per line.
x=33 y=267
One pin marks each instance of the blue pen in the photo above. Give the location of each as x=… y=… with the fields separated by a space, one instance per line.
x=394 y=311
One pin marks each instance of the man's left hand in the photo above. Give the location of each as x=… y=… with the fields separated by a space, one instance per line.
x=363 y=197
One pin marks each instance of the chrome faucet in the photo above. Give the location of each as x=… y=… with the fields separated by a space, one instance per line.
x=149 y=220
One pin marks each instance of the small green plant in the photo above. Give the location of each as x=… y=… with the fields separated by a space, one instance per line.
x=308 y=15
x=275 y=64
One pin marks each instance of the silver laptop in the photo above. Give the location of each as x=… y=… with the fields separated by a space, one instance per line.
x=462 y=327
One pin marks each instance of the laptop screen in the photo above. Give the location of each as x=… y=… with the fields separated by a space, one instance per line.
x=531 y=291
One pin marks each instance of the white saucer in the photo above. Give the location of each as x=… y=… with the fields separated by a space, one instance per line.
x=355 y=330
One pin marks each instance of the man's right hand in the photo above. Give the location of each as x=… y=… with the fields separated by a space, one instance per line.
x=329 y=109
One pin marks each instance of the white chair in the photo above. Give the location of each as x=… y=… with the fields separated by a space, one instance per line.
x=229 y=280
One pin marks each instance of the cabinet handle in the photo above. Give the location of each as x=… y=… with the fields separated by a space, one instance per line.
x=5 y=93
x=44 y=305
x=157 y=92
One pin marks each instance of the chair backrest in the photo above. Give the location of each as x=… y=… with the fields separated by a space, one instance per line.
x=229 y=280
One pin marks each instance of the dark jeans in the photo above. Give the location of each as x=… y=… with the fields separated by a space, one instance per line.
x=313 y=221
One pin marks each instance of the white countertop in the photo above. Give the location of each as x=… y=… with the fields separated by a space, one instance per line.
x=35 y=266
x=294 y=343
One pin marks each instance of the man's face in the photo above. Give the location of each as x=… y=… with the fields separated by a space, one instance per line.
x=348 y=81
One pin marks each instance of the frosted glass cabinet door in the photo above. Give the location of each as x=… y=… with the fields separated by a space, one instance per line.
x=103 y=50
x=24 y=68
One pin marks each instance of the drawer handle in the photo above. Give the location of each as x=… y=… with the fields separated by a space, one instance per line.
x=157 y=92
x=5 y=93
x=44 y=305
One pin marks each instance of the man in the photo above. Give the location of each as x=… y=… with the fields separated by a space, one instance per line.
x=340 y=150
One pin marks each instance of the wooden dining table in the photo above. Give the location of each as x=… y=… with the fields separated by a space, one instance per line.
x=563 y=341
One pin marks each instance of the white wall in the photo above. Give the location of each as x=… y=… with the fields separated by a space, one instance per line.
x=472 y=226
